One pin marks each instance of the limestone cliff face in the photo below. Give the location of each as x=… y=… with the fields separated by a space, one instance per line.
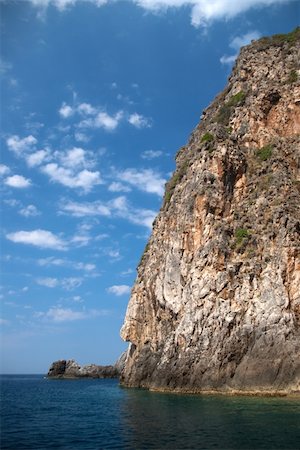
x=216 y=304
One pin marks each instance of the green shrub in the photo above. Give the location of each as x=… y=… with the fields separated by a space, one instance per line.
x=237 y=99
x=280 y=39
x=265 y=152
x=176 y=178
x=225 y=111
x=240 y=235
x=293 y=76
x=207 y=137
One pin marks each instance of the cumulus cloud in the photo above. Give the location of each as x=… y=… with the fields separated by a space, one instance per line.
x=103 y=120
x=139 y=121
x=119 y=290
x=37 y=158
x=19 y=145
x=151 y=154
x=38 y=238
x=85 y=179
x=17 y=181
x=66 y=111
x=203 y=12
x=237 y=43
x=146 y=180
x=29 y=211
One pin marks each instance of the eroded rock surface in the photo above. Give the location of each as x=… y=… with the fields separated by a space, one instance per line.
x=71 y=369
x=216 y=304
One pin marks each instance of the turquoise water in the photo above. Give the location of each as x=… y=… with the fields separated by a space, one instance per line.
x=37 y=413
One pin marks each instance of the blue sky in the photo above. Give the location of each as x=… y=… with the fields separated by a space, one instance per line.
x=97 y=97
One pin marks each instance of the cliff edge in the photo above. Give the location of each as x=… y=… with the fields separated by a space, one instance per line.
x=216 y=303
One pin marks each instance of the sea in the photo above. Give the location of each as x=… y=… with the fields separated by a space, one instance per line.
x=41 y=413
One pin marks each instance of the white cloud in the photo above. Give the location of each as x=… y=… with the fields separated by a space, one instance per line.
x=17 y=181
x=151 y=154
x=66 y=111
x=58 y=314
x=139 y=121
x=119 y=290
x=48 y=282
x=52 y=261
x=81 y=137
x=124 y=273
x=29 y=211
x=237 y=43
x=19 y=146
x=4 y=170
x=103 y=120
x=86 y=209
x=80 y=240
x=116 y=186
x=38 y=238
x=84 y=179
x=119 y=207
x=138 y=216
x=69 y=284
x=37 y=158
x=74 y=157
x=203 y=12
x=146 y=180
x=86 y=109
x=225 y=59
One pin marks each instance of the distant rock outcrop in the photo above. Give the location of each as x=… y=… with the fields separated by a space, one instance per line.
x=216 y=304
x=71 y=369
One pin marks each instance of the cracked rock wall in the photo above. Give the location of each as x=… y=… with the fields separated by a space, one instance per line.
x=216 y=303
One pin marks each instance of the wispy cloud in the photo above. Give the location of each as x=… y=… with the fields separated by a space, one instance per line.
x=29 y=211
x=58 y=314
x=4 y=170
x=119 y=290
x=203 y=12
x=38 y=238
x=118 y=207
x=85 y=209
x=116 y=186
x=237 y=43
x=68 y=284
x=151 y=154
x=17 y=181
x=59 y=262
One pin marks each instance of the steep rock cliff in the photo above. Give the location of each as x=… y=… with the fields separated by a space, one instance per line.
x=216 y=303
